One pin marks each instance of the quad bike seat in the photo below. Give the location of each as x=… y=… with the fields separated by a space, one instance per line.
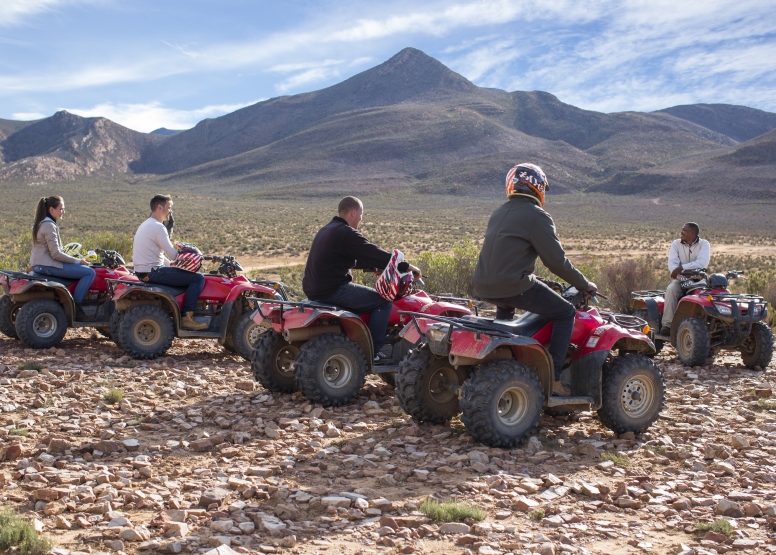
x=318 y=304
x=527 y=324
x=169 y=289
x=63 y=281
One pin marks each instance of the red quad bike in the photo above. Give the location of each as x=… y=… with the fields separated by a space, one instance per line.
x=326 y=351
x=38 y=309
x=148 y=315
x=710 y=318
x=498 y=373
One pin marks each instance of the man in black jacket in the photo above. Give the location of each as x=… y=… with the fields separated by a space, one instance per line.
x=337 y=248
x=518 y=232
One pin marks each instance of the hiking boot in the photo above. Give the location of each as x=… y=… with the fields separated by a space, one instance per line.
x=665 y=330
x=561 y=389
x=381 y=357
x=189 y=323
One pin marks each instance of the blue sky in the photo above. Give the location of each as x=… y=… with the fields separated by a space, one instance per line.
x=171 y=63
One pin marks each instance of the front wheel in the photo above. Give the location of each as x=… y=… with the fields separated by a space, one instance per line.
x=427 y=386
x=330 y=369
x=692 y=341
x=145 y=331
x=633 y=394
x=273 y=361
x=245 y=335
x=41 y=323
x=501 y=403
x=8 y=310
x=757 y=350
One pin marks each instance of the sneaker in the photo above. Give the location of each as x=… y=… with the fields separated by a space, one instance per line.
x=381 y=357
x=560 y=389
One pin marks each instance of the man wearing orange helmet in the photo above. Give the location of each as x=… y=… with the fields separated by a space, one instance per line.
x=518 y=232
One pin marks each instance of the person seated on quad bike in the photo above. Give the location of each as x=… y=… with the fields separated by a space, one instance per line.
x=518 y=232
x=337 y=248
x=689 y=252
x=151 y=244
x=49 y=259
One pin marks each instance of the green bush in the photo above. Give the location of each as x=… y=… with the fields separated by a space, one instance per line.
x=16 y=531
x=449 y=273
x=451 y=511
x=113 y=396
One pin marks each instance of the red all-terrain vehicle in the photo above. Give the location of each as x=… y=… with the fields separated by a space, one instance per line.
x=710 y=318
x=38 y=309
x=326 y=352
x=498 y=373
x=148 y=315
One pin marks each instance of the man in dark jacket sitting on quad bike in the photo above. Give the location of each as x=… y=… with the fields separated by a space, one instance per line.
x=518 y=232
x=337 y=248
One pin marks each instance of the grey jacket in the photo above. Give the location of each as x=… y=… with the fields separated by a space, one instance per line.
x=518 y=232
x=47 y=247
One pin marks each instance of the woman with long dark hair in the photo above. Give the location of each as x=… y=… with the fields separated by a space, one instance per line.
x=47 y=256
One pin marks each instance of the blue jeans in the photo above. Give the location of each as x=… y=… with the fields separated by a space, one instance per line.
x=84 y=275
x=540 y=299
x=360 y=299
x=193 y=281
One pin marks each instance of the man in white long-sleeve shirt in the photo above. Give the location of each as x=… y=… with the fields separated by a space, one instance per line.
x=151 y=244
x=690 y=252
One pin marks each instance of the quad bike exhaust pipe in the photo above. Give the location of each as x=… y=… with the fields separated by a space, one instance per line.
x=303 y=334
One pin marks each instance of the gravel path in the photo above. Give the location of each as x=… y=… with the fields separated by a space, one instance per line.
x=197 y=458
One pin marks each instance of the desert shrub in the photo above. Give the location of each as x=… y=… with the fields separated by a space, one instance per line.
x=450 y=273
x=451 y=511
x=113 y=396
x=619 y=279
x=720 y=526
x=15 y=531
x=17 y=254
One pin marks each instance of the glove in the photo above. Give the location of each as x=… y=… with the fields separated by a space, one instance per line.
x=168 y=224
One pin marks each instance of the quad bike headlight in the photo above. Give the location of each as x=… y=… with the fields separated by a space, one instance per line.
x=437 y=334
x=758 y=309
x=724 y=310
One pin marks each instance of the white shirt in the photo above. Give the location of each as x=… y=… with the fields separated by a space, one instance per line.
x=150 y=245
x=690 y=257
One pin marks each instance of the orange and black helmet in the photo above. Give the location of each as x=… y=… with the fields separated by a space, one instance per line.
x=527 y=180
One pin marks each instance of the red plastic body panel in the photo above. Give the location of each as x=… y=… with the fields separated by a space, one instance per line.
x=102 y=274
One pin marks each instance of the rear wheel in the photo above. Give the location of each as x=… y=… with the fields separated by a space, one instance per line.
x=757 y=350
x=692 y=341
x=8 y=310
x=145 y=331
x=427 y=386
x=41 y=323
x=330 y=369
x=245 y=335
x=501 y=403
x=633 y=394
x=272 y=363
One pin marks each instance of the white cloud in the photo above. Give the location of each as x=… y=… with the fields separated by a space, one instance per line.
x=153 y=115
x=13 y=12
x=289 y=68
x=27 y=116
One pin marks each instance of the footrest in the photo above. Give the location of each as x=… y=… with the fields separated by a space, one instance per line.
x=557 y=400
x=385 y=369
x=666 y=338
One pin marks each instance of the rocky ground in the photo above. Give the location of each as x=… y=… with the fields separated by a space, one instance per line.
x=197 y=458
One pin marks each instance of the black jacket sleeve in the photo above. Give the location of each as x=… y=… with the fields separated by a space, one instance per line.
x=547 y=245
x=367 y=255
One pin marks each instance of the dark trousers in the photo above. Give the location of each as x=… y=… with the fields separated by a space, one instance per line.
x=194 y=281
x=360 y=299
x=540 y=299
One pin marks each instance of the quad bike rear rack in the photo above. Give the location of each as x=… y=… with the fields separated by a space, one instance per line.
x=738 y=335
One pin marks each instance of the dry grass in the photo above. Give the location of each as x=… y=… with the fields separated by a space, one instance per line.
x=451 y=511
x=17 y=533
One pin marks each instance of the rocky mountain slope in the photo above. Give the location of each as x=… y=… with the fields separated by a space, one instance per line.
x=409 y=122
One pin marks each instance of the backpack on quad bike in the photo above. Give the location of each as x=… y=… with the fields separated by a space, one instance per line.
x=38 y=309
x=148 y=315
x=499 y=375
x=325 y=351
x=708 y=319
